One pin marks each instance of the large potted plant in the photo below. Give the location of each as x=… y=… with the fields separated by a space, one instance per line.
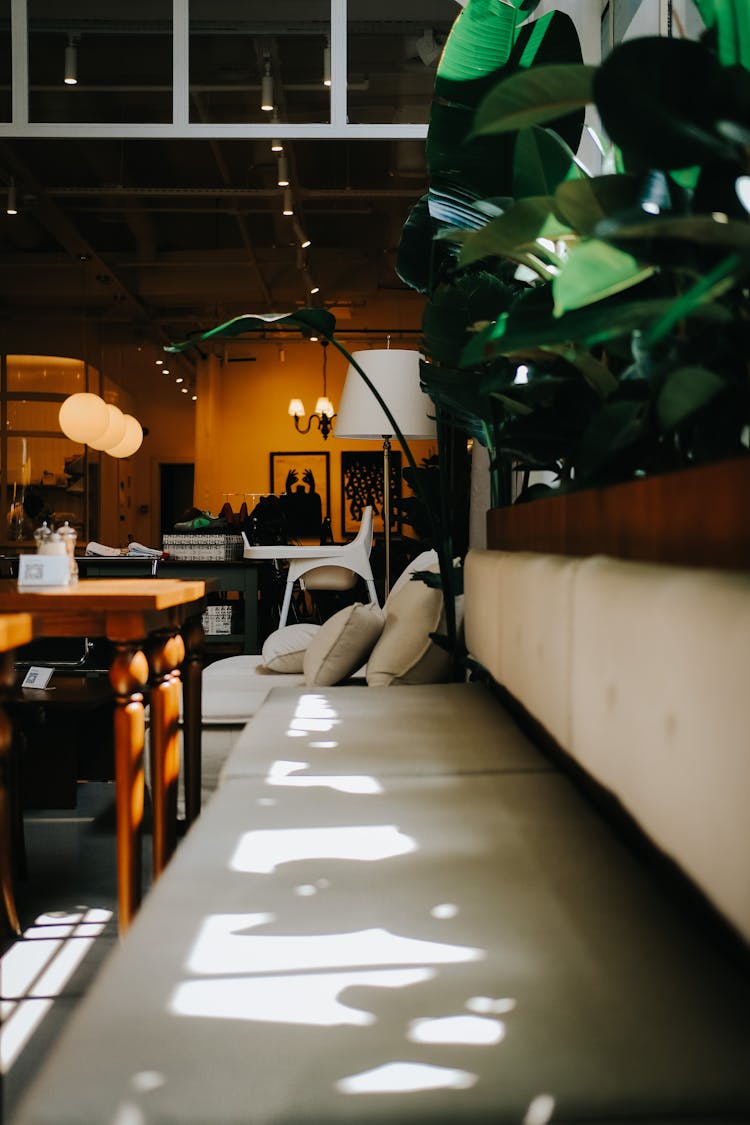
x=594 y=325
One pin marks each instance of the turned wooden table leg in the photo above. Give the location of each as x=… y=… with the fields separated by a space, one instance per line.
x=166 y=653
x=128 y=674
x=192 y=676
x=9 y=923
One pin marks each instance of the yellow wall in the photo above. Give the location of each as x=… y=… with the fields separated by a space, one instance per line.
x=239 y=418
x=242 y=417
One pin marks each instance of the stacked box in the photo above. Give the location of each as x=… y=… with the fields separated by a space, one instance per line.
x=217 y=619
x=203 y=548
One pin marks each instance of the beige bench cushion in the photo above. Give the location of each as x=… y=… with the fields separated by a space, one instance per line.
x=425 y=729
x=472 y=948
x=518 y=613
x=661 y=712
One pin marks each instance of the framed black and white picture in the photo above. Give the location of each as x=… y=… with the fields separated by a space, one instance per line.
x=302 y=483
x=362 y=484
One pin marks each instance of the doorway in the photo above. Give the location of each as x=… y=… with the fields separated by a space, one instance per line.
x=176 y=493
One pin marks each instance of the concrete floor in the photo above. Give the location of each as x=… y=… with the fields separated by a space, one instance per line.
x=68 y=912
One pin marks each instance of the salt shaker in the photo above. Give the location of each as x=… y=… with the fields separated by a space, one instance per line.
x=69 y=535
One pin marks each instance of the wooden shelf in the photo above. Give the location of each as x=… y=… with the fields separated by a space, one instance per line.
x=696 y=517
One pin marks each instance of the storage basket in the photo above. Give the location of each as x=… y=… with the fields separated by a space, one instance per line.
x=203 y=548
x=217 y=620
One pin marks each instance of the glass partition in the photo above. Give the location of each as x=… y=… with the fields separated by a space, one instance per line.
x=44 y=475
x=241 y=54
x=392 y=55
x=100 y=62
x=6 y=108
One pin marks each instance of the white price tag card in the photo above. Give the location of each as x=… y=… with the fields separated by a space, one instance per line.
x=44 y=570
x=37 y=677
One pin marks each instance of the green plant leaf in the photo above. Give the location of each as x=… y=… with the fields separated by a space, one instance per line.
x=659 y=100
x=479 y=43
x=732 y=20
x=706 y=290
x=615 y=427
x=415 y=248
x=541 y=161
x=684 y=392
x=595 y=270
x=702 y=230
x=599 y=378
x=316 y=320
x=523 y=331
x=584 y=203
x=534 y=97
x=515 y=234
x=459 y=395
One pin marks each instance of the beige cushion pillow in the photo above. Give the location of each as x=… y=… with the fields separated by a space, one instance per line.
x=405 y=654
x=284 y=650
x=428 y=560
x=343 y=643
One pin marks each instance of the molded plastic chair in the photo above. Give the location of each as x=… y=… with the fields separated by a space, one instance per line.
x=353 y=557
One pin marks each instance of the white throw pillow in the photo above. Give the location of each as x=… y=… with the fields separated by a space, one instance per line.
x=404 y=653
x=343 y=643
x=284 y=650
x=428 y=560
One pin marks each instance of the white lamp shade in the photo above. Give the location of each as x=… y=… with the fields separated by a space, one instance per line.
x=83 y=417
x=132 y=440
x=115 y=431
x=395 y=374
x=324 y=406
x=296 y=406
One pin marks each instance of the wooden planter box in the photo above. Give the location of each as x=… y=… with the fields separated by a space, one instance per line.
x=698 y=517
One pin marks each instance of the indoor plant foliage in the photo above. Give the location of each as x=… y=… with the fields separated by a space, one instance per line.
x=595 y=325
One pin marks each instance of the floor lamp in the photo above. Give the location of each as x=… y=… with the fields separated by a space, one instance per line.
x=395 y=375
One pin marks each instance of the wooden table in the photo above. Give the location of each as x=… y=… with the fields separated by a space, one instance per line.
x=143 y=618
x=15 y=629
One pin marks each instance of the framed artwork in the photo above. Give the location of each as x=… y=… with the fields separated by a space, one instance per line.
x=302 y=483
x=362 y=484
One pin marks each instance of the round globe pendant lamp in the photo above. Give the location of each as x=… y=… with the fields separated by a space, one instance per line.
x=83 y=417
x=115 y=431
x=131 y=441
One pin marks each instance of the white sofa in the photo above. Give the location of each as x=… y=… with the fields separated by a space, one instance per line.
x=397 y=906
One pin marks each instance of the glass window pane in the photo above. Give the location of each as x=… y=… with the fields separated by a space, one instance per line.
x=392 y=54
x=5 y=61
x=234 y=46
x=120 y=55
x=54 y=374
x=33 y=416
x=44 y=478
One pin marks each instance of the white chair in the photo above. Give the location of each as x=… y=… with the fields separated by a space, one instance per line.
x=353 y=557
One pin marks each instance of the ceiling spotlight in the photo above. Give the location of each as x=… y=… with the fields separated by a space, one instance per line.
x=327 y=65
x=165 y=370
x=302 y=238
x=314 y=289
x=276 y=145
x=179 y=379
x=288 y=205
x=158 y=362
x=283 y=176
x=11 y=203
x=266 y=88
x=194 y=398
x=184 y=390
x=70 y=77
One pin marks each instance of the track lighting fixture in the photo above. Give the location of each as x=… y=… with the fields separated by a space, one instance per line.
x=283 y=174
x=302 y=238
x=266 y=87
x=276 y=145
x=288 y=205
x=327 y=65
x=70 y=76
x=11 y=203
